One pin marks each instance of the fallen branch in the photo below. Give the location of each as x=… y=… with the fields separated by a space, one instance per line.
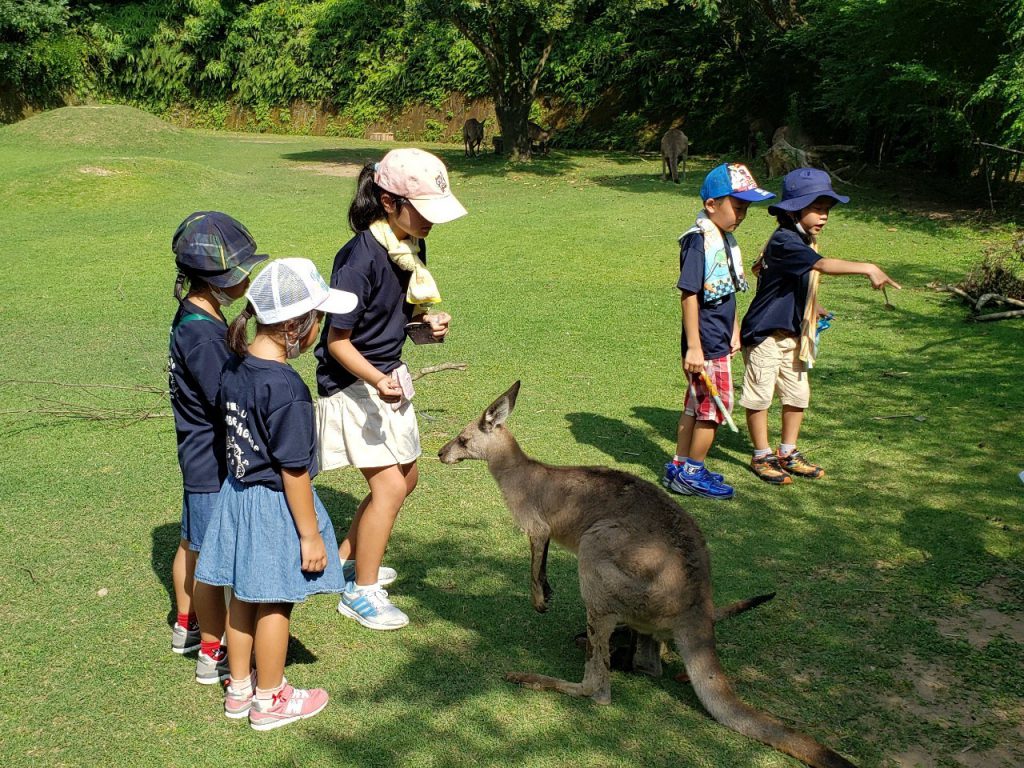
x=442 y=367
x=998 y=316
x=997 y=297
x=68 y=385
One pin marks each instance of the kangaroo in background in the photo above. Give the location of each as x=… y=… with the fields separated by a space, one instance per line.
x=473 y=135
x=674 y=145
x=539 y=136
x=642 y=562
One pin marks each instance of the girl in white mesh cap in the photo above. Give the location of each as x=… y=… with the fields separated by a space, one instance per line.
x=365 y=417
x=270 y=539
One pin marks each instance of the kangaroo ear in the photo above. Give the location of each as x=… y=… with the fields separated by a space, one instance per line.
x=499 y=410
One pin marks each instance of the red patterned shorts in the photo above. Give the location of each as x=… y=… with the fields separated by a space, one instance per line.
x=704 y=408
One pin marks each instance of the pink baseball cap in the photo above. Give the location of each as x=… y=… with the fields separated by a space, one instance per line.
x=421 y=179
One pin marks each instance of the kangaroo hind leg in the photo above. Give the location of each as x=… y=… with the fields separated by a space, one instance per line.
x=597 y=682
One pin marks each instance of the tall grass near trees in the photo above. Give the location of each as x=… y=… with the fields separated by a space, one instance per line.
x=896 y=634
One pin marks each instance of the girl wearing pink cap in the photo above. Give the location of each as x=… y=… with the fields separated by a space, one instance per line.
x=364 y=413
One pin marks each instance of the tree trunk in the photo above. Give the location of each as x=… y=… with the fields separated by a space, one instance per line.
x=513 y=112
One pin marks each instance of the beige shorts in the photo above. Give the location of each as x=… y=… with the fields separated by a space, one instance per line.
x=774 y=366
x=356 y=428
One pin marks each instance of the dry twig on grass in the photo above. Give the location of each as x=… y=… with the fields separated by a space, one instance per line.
x=441 y=367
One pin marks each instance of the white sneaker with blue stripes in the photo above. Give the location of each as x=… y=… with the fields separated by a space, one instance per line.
x=371 y=608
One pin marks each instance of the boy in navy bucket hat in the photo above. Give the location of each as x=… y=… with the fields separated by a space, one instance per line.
x=779 y=330
x=710 y=275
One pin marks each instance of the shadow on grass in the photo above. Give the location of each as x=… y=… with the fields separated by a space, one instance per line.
x=165 y=540
x=554 y=164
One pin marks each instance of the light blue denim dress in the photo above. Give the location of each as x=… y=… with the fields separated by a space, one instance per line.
x=252 y=546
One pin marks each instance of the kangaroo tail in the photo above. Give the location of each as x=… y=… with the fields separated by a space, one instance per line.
x=740 y=606
x=697 y=647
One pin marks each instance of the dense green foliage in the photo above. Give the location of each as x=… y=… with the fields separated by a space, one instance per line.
x=912 y=81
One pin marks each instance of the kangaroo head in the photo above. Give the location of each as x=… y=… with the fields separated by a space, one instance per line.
x=477 y=438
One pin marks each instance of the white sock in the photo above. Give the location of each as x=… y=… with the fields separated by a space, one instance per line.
x=265 y=696
x=679 y=459
x=760 y=453
x=368 y=588
x=241 y=688
x=785 y=449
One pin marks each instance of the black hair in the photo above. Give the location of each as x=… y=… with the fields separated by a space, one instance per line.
x=366 y=206
x=238 y=331
x=186 y=282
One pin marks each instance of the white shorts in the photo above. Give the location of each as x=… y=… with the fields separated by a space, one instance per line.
x=356 y=428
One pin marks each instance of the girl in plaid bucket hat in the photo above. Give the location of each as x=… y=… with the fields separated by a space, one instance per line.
x=365 y=417
x=270 y=538
x=214 y=254
x=779 y=331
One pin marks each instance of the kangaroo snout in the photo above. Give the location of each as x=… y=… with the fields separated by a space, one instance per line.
x=446 y=454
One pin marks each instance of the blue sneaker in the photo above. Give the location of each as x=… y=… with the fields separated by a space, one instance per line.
x=672 y=469
x=701 y=484
x=385 y=575
x=371 y=609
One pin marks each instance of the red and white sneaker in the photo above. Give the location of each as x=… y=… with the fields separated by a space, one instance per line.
x=287 y=705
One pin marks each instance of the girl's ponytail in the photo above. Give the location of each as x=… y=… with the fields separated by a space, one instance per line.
x=366 y=206
x=238 y=331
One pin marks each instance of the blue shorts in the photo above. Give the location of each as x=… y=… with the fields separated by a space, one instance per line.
x=196 y=511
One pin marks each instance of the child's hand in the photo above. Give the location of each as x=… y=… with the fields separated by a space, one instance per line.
x=878 y=278
x=439 y=323
x=314 y=553
x=822 y=312
x=390 y=391
x=734 y=344
x=694 y=360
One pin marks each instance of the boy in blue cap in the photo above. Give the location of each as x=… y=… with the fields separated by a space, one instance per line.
x=710 y=274
x=778 y=332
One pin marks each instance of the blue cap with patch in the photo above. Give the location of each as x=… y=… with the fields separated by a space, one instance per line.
x=733 y=179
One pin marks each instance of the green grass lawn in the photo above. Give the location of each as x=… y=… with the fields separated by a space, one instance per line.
x=897 y=633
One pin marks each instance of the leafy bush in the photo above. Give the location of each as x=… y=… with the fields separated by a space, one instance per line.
x=1000 y=271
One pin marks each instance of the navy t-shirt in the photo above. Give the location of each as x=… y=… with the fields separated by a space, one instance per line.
x=715 y=319
x=781 y=294
x=268 y=413
x=378 y=321
x=198 y=351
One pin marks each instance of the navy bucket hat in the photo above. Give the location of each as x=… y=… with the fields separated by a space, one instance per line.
x=802 y=187
x=215 y=247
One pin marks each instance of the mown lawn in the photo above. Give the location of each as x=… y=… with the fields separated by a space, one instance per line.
x=896 y=634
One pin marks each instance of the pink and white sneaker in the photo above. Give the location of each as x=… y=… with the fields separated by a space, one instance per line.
x=287 y=705
x=237 y=706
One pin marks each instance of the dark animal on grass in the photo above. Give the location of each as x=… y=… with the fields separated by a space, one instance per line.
x=472 y=135
x=539 y=137
x=674 y=145
x=642 y=562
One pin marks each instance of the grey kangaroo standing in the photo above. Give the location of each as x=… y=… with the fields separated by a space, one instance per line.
x=472 y=136
x=674 y=145
x=642 y=562
x=541 y=137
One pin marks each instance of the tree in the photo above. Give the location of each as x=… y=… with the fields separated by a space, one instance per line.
x=515 y=39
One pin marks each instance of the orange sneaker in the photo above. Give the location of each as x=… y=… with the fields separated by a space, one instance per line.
x=796 y=464
x=770 y=470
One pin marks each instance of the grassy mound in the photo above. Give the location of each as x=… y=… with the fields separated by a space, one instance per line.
x=101 y=126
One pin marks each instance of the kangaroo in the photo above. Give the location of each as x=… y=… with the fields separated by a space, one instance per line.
x=473 y=135
x=674 y=145
x=541 y=137
x=643 y=562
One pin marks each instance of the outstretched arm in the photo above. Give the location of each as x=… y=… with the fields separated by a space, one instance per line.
x=877 y=277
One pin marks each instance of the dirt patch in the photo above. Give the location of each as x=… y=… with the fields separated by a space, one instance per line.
x=915 y=757
x=344 y=170
x=94 y=170
x=997 y=757
x=982 y=624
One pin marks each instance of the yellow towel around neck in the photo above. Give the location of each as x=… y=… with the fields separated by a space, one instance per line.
x=406 y=254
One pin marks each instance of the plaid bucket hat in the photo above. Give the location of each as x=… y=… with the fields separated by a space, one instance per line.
x=215 y=247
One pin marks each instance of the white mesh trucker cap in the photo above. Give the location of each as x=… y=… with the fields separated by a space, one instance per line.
x=288 y=288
